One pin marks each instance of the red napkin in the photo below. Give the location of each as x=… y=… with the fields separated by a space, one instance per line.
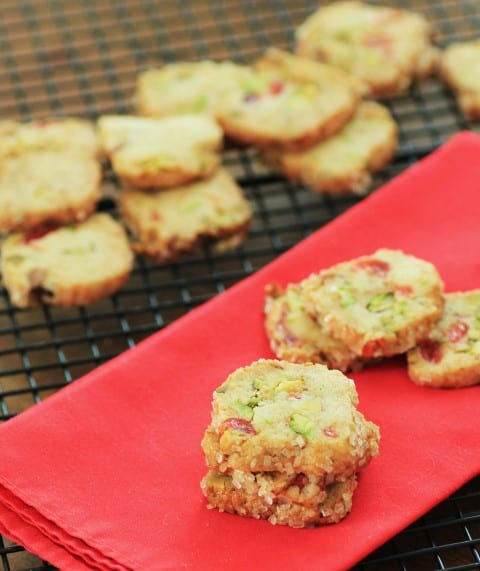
x=105 y=474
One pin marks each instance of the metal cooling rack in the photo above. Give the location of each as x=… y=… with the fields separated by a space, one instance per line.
x=81 y=58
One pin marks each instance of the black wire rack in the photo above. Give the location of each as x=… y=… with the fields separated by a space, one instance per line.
x=81 y=58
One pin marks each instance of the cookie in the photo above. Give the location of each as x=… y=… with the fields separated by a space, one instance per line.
x=47 y=186
x=344 y=162
x=161 y=153
x=65 y=266
x=172 y=222
x=459 y=70
x=296 y=337
x=297 y=500
x=275 y=416
x=379 y=305
x=56 y=135
x=186 y=87
x=450 y=356
x=386 y=47
x=278 y=106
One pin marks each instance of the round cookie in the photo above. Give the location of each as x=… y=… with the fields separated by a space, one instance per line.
x=172 y=222
x=161 y=153
x=459 y=69
x=296 y=337
x=379 y=305
x=279 y=416
x=297 y=500
x=47 y=186
x=386 y=47
x=71 y=265
x=344 y=162
x=450 y=356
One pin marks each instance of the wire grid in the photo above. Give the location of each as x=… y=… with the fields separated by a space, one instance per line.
x=81 y=58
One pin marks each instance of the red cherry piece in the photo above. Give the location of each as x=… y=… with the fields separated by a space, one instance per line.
x=276 y=87
x=431 y=350
x=37 y=233
x=331 y=432
x=404 y=290
x=378 y=267
x=301 y=480
x=456 y=331
x=373 y=348
x=239 y=424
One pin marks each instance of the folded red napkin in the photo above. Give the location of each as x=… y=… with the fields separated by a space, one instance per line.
x=105 y=474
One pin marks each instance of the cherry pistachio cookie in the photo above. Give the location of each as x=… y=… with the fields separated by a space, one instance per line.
x=47 y=187
x=343 y=163
x=56 y=135
x=65 y=266
x=460 y=70
x=186 y=87
x=386 y=47
x=173 y=222
x=296 y=337
x=290 y=418
x=450 y=356
x=297 y=500
x=276 y=106
x=379 y=305
x=161 y=153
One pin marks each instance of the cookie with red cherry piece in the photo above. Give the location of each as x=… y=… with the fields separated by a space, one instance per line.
x=296 y=500
x=459 y=69
x=65 y=266
x=379 y=305
x=162 y=153
x=173 y=222
x=386 y=47
x=296 y=337
x=450 y=356
x=343 y=163
x=277 y=106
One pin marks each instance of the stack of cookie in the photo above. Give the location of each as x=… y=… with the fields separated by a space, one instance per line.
x=60 y=251
x=176 y=194
x=307 y=118
x=357 y=311
x=285 y=444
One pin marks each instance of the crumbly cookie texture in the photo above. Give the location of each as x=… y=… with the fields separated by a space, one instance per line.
x=459 y=69
x=386 y=47
x=65 y=266
x=161 y=153
x=47 y=186
x=186 y=87
x=284 y=417
x=297 y=500
x=280 y=105
x=296 y=337
x=170 y=223
x=450 y=356
x=379 y=305
x=56 y=135
x=345 y=162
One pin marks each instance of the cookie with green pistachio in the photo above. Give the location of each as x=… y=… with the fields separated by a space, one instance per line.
x=459 y=69
x=67 y=265
x=386 y=47
x=380 y=304
x=450 y=356
x=154 y=154
x=277 y=106
x=186 y=87
x=343 y=163
x=47 y=186
x=275 y=416
x=296 y=337
x=173 y=222
x=296 y=500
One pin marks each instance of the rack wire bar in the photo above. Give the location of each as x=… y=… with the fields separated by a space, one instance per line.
x=81 y=58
